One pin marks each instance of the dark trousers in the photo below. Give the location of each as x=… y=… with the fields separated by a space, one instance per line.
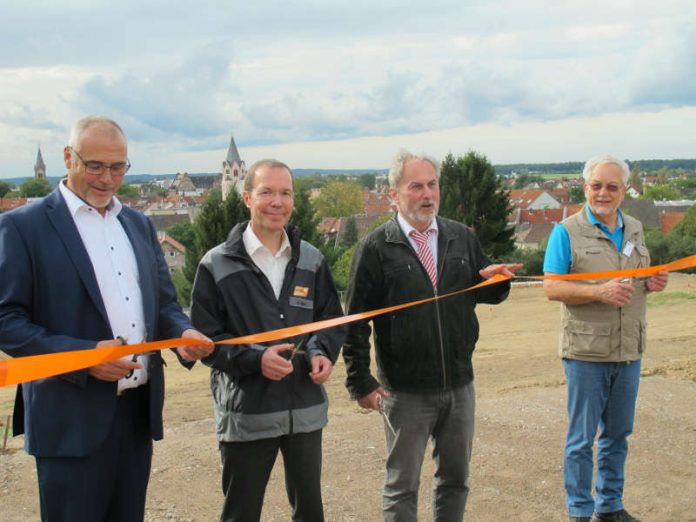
x=110 y=484
x=247 y=466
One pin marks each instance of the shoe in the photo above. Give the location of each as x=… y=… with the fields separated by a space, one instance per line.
x=615 y=516
x=579 y=519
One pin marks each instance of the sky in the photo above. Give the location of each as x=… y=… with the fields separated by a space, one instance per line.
x=346 y=84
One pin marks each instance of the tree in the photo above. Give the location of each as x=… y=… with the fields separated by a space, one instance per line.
x=662 y=175
x=4 y=188
x=524 y=179
x=339 y=199
x=634 y=180
x=308 y=182
x=350 y=233
x=212 y=226
x=304 y=218
x=128 y=191
x=660 y=192
x=687 y=226
x=340 y=269
x=533 y=260
x=34 y=188
x=576 y=194
x=368 y=180
x=472 y=192
x=183 y=288
x=184 y=233
x=658 y=246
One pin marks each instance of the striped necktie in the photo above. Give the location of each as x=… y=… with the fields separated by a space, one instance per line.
x=425 y=254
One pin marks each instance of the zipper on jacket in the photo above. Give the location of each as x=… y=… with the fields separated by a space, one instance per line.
x=442 y=345
x=441 y=261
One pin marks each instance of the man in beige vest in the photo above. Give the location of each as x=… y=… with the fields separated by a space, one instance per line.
x=602 y=338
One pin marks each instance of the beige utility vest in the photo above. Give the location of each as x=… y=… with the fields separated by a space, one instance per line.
x=596 y=331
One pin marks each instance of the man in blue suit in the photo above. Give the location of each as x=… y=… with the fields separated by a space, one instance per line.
x=80 y=270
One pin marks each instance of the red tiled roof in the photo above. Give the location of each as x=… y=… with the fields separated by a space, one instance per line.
x=173 y=242
x=12 y=203
x=548 y=215
x=522 y=198
x=328 y=225
x=376 y=203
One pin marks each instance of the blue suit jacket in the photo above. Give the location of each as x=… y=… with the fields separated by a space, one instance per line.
x=50 y=302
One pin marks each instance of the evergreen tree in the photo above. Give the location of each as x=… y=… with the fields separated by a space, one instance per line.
x=472 y=192
x=303 y=216
x=350 y=233
x=184 y=233
x=213 y=224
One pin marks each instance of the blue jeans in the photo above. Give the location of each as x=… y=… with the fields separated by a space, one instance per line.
x=448 y=418
x=599 y=395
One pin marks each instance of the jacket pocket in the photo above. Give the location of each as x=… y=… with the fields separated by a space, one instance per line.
x=586 y=339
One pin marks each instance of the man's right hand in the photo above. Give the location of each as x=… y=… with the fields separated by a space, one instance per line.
x=615 y=292
x=372 y=401
x=114 y=370
x=274 y=366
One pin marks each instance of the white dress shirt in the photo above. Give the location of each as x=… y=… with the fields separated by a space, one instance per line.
x=272 y=266
x=116 y=270
x=432 y=238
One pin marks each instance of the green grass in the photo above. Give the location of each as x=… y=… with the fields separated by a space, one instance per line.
x=670 y=297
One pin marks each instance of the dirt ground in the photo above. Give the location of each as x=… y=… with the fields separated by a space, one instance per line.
x=520 y=429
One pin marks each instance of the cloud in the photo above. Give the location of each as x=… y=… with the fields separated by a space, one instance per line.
x=187 y=74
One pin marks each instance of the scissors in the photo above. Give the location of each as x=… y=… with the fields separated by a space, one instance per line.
x=298 y=348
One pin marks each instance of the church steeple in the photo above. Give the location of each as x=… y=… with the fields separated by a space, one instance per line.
x=233 y=153
x=233 y=171
x=40 y=166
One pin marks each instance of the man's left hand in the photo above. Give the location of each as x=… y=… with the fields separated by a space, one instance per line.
x=321 y=369
x=197 y=351
x=657 y=282
x=507 y=269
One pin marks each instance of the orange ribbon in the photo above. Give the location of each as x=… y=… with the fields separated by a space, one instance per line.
x=24 y=369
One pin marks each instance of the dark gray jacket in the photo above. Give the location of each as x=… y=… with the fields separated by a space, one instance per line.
x=231 y=298
x=427 y=347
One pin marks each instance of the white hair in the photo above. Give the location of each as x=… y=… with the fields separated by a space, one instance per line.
x=396 y=171
x=605 y=159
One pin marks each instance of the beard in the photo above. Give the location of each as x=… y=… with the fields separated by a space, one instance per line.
x=416 y=215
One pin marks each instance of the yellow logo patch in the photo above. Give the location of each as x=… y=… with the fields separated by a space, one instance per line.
x=300 y=291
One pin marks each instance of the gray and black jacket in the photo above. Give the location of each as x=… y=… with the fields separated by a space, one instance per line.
x=231 y=298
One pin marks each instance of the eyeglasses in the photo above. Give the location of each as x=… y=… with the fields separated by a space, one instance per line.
x=609 y=187
x=97 y=168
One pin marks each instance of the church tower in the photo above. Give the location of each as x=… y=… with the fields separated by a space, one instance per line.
x=40 y=167
x=233 y=171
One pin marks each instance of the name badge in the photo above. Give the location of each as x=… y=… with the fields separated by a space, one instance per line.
x=628 y=249
x=298 y=302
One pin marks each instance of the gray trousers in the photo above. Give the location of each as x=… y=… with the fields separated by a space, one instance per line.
x=447 y=418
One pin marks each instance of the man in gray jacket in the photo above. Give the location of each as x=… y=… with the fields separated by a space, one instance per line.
x=268 y=398
x=602 y=338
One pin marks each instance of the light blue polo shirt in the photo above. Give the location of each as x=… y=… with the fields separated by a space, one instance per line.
x=558 y=256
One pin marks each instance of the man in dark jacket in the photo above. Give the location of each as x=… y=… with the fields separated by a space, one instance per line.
x=425 y=376
x=268 y=398
x=82 y=270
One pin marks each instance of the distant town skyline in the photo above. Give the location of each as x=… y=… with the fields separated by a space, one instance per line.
x=345 y=85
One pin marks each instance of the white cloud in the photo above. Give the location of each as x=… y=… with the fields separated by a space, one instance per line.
x=181 y=77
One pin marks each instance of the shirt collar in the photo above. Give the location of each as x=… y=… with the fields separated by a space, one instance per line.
x=407 y=228
x=252 y=243
x=75 y=203
x=593 y=219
